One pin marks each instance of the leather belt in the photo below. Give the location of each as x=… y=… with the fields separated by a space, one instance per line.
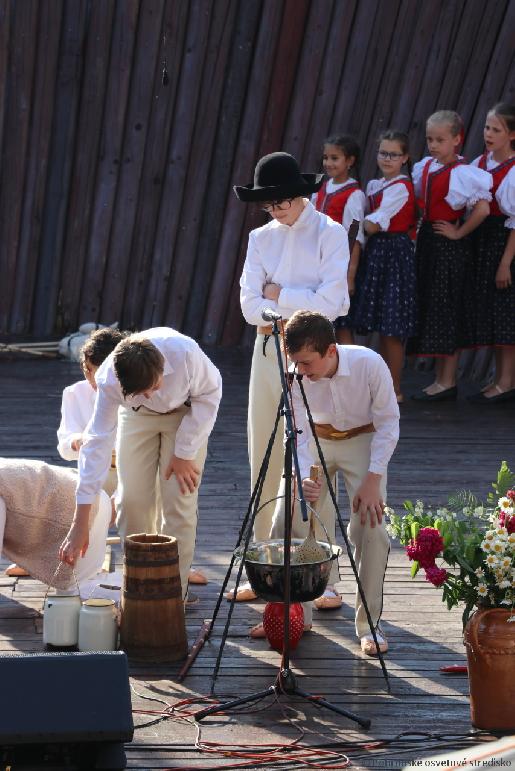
x=327 y=431
x=269 y=329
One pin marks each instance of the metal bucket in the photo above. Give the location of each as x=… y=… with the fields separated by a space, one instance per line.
x=264 y=564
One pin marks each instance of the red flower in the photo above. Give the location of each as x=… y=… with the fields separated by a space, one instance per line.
x=426 y=546
x=507 y=521
x=511 y=495
x=435 y=575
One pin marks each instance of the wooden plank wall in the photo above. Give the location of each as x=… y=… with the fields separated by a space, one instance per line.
x=116 y=198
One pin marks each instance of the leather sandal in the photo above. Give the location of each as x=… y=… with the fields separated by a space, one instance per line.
x=197 y=577
x=15 y=571
x=330 y=600
x=245 y=593
x=368 y=645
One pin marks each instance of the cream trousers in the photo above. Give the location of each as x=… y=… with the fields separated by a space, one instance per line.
x=371 y=545
x=145 y=445
x=264 y=396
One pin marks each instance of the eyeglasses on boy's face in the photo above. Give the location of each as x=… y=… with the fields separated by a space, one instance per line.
x=385 y=156
x=281 y=205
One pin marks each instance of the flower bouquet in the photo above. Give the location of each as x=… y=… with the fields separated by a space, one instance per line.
x=467 y=548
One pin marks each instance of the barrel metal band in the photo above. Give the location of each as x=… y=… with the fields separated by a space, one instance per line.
x=152 y=588
x=171 y=595
x=150 y=563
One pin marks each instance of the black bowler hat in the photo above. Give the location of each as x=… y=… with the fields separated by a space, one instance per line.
x=277 y=176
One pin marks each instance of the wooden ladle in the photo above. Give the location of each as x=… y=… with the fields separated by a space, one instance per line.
x=310 y=550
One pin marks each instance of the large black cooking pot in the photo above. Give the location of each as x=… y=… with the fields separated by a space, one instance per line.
x=264 y=564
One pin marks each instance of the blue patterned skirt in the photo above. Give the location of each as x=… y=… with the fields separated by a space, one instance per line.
x=385 y=299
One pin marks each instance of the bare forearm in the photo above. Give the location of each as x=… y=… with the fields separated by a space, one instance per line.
x=479 y=213
x=354 y=259
x=371 y=227
x=509 y=250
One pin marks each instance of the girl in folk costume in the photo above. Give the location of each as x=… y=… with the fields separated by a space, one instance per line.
x=341 y=199
x=385 y=300
x=492 y=274
x=446 y=187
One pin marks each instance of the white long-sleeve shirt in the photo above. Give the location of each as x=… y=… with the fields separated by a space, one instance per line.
x=188 y=375
x=360 y=392
x=76 y=411
x=308 y=259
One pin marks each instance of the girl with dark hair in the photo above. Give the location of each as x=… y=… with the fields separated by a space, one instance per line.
x=341 y=198
x=385 y=300
x=492 y=274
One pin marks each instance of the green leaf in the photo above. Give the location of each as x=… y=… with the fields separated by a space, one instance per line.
x=414 y=568
x=415 y=527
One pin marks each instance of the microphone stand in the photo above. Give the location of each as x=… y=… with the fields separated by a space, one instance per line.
x=286 y=681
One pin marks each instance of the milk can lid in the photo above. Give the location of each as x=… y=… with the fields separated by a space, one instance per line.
x=98 y=603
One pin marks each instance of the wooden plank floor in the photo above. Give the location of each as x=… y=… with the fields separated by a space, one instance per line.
x=442 y=448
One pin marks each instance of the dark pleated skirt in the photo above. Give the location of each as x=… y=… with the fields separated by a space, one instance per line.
x=490 y=317
x=385 y=299
x=441 y=272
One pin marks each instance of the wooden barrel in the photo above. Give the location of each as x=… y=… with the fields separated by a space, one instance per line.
x=152 y=626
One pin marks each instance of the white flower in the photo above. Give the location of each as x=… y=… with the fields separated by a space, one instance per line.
x=482 y=590
x=479 y=511
x=506 y=602
x=490 y=535
x=505 y=563
x=479 y=572
x=505 y=584
x=390 y=530
x=498 y=547
x=511 y=539
x=491 y=560
x=486 y=545
x=501 y=533
x=506 y=505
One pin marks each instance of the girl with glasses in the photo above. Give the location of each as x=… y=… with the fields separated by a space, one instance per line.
x=385 y=300
x=341 y=199
x=447 y=188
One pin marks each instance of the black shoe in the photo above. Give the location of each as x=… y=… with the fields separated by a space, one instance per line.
x=480 y=398
x=440 y=396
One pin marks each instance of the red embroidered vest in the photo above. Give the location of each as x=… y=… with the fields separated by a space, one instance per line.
x=333 y=204
x=405 y=219
x=498 y=173
x=435 y=186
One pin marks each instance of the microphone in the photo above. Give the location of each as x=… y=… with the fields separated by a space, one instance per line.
x=267 y=314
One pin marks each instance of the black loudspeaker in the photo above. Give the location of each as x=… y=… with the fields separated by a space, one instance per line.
x=71 y=708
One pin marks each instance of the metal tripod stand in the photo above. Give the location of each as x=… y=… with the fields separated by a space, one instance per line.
x=286 y=681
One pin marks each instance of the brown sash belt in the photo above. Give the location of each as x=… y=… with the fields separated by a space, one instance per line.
x=327 y=431
x=269 y=329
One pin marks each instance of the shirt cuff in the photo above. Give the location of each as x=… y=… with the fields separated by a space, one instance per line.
x=377 y=468
x=85 y=498
x=482 y=195
x=381 y=219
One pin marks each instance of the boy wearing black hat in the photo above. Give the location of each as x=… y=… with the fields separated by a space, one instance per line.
x=297 y=261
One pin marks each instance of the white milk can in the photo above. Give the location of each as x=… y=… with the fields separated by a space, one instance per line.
x=61 y=620
x=98 y=628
